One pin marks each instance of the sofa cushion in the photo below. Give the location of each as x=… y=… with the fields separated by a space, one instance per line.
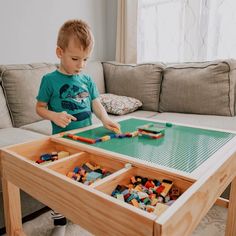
x=142 y=81
x=10 y=136
x=21 y=84
x=200 y=88
x=42 y=127
x=4 y=113
x=119 y=105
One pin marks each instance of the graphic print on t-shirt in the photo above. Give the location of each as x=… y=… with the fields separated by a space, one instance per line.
x=75 y=98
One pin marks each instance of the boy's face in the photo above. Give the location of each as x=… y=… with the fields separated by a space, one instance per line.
x=73 y=58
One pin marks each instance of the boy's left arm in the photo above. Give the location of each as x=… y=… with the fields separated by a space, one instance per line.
x=102 y=115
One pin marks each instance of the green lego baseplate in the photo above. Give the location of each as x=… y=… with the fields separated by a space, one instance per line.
x=182 y=148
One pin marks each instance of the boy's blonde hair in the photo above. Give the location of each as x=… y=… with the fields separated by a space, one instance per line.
x=77 y=30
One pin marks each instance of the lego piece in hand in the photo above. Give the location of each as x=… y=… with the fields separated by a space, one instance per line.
x=117 y=131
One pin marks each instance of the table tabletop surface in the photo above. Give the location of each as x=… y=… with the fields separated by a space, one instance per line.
x=181 y=148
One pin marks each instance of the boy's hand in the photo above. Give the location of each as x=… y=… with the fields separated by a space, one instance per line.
x=111 y=125
x=62 y=119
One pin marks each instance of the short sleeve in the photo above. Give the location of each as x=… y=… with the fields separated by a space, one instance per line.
x=93 y=91
x=45 y=91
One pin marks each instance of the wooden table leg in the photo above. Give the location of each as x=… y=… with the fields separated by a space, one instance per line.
x=231 y=221
x=12 y=209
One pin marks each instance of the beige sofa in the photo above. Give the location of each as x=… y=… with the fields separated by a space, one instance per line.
x=201 y=94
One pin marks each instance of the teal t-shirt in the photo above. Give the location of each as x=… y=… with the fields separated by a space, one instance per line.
x=70 y=93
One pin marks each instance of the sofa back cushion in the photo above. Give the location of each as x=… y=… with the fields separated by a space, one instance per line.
x=141 y=81
x=95 y=70
x=201 y=88
x=4 y=113
x=21 y=84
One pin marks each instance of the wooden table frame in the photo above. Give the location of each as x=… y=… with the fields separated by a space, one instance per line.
x=90 y=206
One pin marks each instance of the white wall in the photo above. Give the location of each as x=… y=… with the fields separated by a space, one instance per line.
x=29 y=28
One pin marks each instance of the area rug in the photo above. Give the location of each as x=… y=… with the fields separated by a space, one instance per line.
x=213 y=224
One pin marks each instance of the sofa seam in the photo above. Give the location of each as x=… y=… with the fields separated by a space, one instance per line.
x=160 y=93
x=197 y=67
x=7 y=103
x=230 y=89
x=5 y=69
x=31 y=68
x=136 y=65
x=229 y=84
x=191 y=67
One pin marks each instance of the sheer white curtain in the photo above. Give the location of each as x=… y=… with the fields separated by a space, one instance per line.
x=186 y=30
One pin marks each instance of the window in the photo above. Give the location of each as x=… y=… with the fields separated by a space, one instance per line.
x=186 y=30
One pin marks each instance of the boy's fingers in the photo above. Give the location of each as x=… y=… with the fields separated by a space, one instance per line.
x=73 y=118
x=116 y=130
x=69 y=116
x=117 y=126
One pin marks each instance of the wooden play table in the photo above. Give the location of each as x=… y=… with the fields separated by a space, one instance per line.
x=200 y=162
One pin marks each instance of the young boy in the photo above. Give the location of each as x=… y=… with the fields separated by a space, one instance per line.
x=66 y=96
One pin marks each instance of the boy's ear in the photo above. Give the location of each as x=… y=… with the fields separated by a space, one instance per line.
x=59 y=52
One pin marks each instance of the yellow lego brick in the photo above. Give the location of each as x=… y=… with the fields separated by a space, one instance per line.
x=90 y=166
x=117 y=131
x=105 y=138
x=167 y=184
x=134 y=202
x=138 y=188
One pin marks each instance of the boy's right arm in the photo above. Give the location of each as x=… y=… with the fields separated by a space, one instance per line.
x=61 y=119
